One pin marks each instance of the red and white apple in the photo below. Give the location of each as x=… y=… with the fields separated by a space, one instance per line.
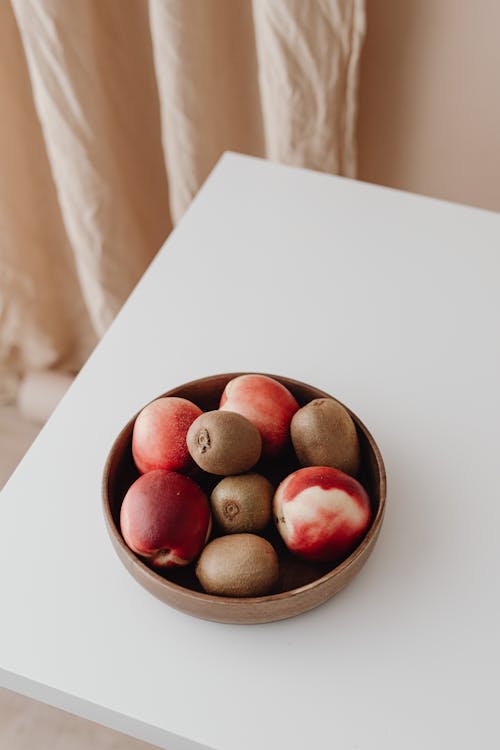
x=159 y=436
x=165 y=518
x=267 y=404
x=321 y=513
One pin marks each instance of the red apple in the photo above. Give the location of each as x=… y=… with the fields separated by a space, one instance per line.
x=159 y=436
x=165 y=518
x=321 y=513
x=267 y=404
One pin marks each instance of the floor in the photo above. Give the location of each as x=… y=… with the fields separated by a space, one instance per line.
x=16 y=436
x=25 y=723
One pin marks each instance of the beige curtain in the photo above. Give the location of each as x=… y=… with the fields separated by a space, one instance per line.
x=113 y=112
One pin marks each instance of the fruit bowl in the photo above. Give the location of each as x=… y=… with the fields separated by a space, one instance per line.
x=302 y=585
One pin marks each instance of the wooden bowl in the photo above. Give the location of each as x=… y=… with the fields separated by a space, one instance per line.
x=302 y=585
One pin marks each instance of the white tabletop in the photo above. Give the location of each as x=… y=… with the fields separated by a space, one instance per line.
x=389 y=301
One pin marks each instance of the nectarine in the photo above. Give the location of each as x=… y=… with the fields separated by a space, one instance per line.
x=159 y=436
x=165 y=518
x=267 y=404
x=321 y=513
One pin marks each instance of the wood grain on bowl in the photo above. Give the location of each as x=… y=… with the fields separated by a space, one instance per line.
x=302 y=586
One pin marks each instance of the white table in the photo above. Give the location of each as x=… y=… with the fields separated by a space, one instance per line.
x=392 y=303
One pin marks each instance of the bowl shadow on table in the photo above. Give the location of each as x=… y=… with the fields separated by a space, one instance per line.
x=296 y=575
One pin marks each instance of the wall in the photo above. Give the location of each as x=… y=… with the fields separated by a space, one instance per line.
x=429 y=116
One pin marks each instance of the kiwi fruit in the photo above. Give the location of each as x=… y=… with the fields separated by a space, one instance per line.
x=242 y=503
x=324 y=434
x=238 y=565
x=223 y=442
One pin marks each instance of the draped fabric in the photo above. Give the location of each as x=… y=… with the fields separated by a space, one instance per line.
x=112 y=114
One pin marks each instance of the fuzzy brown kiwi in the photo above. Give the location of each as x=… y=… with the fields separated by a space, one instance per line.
x=242 y=503
x=224 y=443
x=323 y=434
x=238 y=565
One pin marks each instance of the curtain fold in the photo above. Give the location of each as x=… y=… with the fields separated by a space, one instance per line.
x=113 y=114
x=308 y=55
x=43 y=319
x=95 y=92
x=206 y=67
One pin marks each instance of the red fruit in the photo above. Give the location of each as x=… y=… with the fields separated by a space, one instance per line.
x=267 y=404
x=165 y=518
x=159 y=436
x=321 y=513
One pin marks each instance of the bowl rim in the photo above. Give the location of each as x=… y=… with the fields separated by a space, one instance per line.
x=193 y=595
